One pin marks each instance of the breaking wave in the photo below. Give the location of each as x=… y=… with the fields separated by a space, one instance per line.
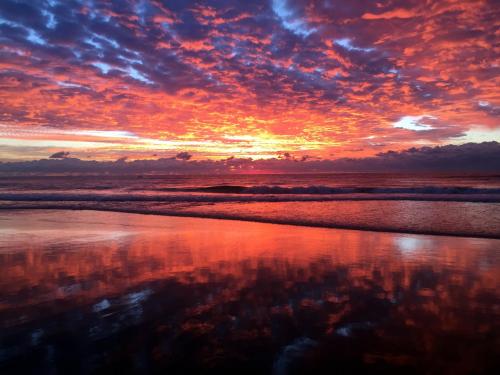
x=172 y=198
x=263 y=193
x=327 y=190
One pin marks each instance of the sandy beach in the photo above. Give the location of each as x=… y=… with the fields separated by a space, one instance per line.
x=145 y=292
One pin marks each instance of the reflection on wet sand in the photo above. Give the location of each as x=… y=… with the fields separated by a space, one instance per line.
x=92 y=291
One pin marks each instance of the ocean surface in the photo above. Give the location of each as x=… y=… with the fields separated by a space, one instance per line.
x=89 y=292
x=463 y=205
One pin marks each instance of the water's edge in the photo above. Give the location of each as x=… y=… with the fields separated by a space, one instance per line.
x=257 y=220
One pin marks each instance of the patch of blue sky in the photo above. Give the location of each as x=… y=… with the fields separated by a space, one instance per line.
x=347 y=44
x=114 y=43
x=92 y=42
x=107 y=133
x=103 y=67
x=131 y=61
x=34 y=37
x=135 y=74
x=130 y=71
x=290 y=20
x=69 y=84
x=51 y=19
x=478 y=134
x=415 y=123
x=140 y=8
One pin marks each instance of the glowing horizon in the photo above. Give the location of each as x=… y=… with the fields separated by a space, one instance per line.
x=149 y=79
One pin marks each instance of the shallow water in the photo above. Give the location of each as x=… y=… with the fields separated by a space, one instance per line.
x=420 y=203
x=87 y=291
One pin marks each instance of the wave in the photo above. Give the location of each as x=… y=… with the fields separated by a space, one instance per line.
x=327 y=190
x=477 y=195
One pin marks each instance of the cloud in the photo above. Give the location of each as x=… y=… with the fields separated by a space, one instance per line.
x=470 y=157
x=395 y=13
x=183 y=155
x=59 y=155
x=325 y=74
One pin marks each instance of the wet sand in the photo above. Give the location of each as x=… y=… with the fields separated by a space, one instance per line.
x=87 y=291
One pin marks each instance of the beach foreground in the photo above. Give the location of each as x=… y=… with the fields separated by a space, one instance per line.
x=89 y=291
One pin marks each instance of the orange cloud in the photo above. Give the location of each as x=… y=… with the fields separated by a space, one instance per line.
x=252 y=80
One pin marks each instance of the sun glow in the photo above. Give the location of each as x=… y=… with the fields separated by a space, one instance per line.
x=104 y=145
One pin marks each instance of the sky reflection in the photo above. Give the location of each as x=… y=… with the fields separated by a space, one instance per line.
x=191 y=295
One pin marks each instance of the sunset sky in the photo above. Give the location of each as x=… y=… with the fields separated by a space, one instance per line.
x=328 y=78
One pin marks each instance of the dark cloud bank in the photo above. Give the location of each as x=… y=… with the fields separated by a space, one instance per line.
x=470 y=157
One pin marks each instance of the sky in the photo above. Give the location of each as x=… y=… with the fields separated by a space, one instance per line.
x=150 y=79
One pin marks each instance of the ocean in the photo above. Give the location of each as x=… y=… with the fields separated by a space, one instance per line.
x=408 y=284
x=450 y=204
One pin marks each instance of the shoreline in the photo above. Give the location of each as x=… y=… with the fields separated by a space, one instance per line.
x=257 y=220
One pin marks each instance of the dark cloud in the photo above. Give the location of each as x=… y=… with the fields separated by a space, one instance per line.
x=59 y=155
x=183 y=155
x=471 y=157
